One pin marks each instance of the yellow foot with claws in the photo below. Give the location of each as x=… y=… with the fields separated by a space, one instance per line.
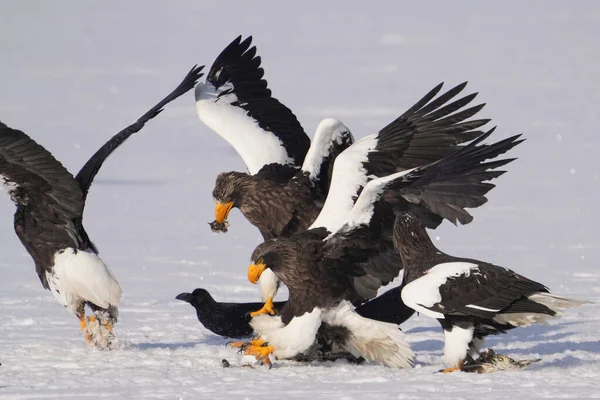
x=268 y=308
x=260 y=352
x=257 y=348
x=97 y=332
x=83 y=326
x=453 y=369
x=243 y=345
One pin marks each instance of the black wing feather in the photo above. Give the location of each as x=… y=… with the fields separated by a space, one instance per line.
x=238 y=65
x=447 y=187
x=426 y=132
x=40 y=180
x=434 y=192
x=87 y=173
x=491 y=287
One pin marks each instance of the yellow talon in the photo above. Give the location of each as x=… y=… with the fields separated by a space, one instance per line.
x=260 y=352
x=453 y=369
x=83 y=326
x=256 y=342
x=268 y=308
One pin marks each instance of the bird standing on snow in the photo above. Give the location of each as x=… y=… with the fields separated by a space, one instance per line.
x=49 y=221
x=319 y=271
x=289 y=182
x=231 y=319
x=471 y=299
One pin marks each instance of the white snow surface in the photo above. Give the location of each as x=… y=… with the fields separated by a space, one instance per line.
x=74 y=73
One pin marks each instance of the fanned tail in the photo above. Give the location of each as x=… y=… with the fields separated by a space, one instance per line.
x=376 y=341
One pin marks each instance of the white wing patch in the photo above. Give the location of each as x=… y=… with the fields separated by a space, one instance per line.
x=425 y=291
x=365 y=204
x=80 y=275
x=349 y=175
x=476 y=307
x=256 y=146
x=329 y=131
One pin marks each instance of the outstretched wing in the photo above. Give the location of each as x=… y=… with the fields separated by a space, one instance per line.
x=236 y=103
x=427 y=132
x=440 y=190
x=445 y=188
x=331 y=139
x=34 y=178
x=87 y=173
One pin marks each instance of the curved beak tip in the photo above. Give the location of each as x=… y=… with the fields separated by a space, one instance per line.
x=255 y=271
x=222 y=211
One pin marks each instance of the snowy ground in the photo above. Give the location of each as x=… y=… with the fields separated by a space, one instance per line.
x=72 y=75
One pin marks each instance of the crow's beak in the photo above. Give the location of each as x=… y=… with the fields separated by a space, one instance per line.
x=187 y=297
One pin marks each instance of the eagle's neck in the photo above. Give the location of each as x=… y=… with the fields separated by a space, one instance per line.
x=413 y=244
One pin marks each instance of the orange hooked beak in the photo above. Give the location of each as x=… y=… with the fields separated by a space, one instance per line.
x=222 y=211
x=255 y=271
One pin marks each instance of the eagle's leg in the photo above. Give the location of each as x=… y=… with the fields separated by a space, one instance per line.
x=82 y=322
x=100 y=326
x=268 y=308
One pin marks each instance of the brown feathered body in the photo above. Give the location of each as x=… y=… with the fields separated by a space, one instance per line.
x=275 y=206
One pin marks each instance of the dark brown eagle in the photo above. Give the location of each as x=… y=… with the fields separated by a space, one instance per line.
x=289 y=177
x=49 y=221
x=320 y=266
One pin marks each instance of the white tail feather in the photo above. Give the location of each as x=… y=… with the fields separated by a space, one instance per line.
x=374 y=340
x=523 y=319
x=556 y=303
x=80 y=275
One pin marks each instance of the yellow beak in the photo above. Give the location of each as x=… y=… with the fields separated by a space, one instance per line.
x=222 y=211
x=255 y=271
